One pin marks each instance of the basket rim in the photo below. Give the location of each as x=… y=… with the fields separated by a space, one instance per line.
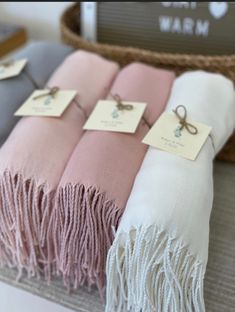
x=229 y=59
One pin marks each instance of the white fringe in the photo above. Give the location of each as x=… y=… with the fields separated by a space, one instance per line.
x=149 y=271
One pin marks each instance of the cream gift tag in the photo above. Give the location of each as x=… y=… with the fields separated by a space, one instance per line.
x=169 y=135
x=9 y=69
x=48 y=103
x=117 y=116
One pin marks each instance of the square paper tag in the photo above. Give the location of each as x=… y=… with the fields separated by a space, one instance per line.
x=167 y=136
x=12 y=70
x=48 y=106
x=107 y=117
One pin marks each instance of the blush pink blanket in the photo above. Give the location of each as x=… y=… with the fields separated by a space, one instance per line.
x=98 y=179
x=33 y=159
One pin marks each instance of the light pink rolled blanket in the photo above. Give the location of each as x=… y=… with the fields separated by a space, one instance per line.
x=34 y=157
x=98 y=179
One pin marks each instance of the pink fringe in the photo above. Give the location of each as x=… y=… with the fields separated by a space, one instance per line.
x=68 y=235
x=25 y=210
x=82 y=228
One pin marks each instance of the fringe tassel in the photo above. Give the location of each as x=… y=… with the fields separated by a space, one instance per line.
x=150 y=271
x=25 y=211
x=82 y=229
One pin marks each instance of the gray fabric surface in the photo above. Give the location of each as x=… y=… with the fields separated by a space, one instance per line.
x=220 y=276
x=43 y=59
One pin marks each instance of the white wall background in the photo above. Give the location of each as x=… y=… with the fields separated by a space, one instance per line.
x=40 y=18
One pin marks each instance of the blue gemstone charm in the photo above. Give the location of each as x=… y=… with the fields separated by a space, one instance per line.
x=177 y=132
x=48 y=100
x=115 y=114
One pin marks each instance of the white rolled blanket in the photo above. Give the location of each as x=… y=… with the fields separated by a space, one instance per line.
x=158 y=259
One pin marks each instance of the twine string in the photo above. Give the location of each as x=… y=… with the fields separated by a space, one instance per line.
x=183 y=120
x=188 y=126
x=120 y=105
x=7 y=63
x=128 y=107
x=11 y=62
x=51 y=92
x=80 y=107
x=33 y=81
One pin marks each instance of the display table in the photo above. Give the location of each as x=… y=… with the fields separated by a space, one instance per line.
x=220 y=276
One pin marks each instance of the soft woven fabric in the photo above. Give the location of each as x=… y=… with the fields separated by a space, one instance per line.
x=98 y=179
x=33 y=158
x=158 y=259
x=43 y=58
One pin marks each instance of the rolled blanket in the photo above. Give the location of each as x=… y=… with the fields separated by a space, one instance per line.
x=43 y=58
x=158 y=259
x=98 y=179
x=33 y=159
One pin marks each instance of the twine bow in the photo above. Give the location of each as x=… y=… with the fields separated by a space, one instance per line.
x=51 y=92
x=183 y=120
x=120 y=105
x=7 y=63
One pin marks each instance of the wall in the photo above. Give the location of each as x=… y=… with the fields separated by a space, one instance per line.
x=40 y=18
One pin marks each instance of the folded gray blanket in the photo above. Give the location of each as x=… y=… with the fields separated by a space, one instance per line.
x=43 y=58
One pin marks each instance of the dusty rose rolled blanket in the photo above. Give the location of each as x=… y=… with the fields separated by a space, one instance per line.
x=98 y=179
x=33 y=159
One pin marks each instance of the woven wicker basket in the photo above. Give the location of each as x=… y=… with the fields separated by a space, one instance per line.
x=70 y=30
